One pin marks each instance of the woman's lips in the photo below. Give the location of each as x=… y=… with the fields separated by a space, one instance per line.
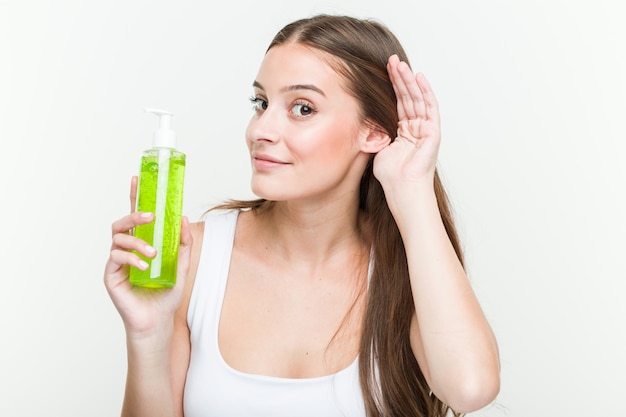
x=261 y=161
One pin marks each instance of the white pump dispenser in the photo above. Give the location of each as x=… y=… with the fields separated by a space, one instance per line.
x=164 y=136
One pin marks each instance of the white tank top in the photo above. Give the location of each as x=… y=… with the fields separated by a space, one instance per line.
x=213 y=388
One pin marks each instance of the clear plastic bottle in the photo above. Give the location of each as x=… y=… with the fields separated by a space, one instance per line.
x=160 y=191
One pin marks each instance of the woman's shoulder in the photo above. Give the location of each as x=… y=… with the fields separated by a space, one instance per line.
x=210 y=220
x=217 y=223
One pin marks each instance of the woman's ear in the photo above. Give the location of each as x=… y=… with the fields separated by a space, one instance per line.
x=374 y=139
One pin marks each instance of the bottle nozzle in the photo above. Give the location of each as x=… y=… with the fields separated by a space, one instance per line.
x=164 y=136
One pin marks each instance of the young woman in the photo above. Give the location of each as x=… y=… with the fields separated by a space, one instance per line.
x=341 y=291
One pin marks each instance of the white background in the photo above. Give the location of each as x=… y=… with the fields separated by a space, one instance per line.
x=532 y=95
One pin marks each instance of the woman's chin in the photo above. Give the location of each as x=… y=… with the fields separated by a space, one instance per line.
x=268 y=193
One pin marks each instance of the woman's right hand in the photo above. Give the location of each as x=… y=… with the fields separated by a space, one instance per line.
x=143 y=310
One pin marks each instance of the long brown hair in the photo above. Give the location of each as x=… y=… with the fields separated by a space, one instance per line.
x=392 y=382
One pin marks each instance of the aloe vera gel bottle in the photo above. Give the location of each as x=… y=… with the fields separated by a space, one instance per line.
x=160 y=191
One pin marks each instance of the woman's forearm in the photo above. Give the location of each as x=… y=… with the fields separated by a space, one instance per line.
x=458 y=344
x=148 y=381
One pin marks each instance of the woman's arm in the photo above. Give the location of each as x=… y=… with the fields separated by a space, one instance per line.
x=451 y=338
x=155 y=381
x=450 y=335
x=149 y=391
x=157 y=337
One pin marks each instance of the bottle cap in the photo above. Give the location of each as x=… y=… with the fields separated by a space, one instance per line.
x=164 y=136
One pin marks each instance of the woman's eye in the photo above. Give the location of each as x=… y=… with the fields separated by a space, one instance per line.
x=303 y=109
x=258 y=104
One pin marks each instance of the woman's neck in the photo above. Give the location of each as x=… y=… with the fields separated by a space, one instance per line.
x=311 y=235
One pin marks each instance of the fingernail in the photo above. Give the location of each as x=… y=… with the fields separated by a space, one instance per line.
x=146 y=215
x=150 y=250
x=143 y=265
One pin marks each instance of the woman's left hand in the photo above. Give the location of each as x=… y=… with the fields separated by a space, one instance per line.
x=412 y=156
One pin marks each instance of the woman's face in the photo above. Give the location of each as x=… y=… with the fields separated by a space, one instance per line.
x=304 y=135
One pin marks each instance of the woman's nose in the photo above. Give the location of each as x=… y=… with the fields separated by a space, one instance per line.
x=264 y=126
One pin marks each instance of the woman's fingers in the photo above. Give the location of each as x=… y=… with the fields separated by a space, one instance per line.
x=418 y=111
x=415 y=96
x=121 y=257
x=394 y=77
x=431 y=105
x=123 y=252
x=410 y=99
x=123 y=243
x=410 y=94
x=127 y=223
x=131 y=243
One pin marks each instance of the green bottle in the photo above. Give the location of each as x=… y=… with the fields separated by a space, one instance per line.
x=160 y=191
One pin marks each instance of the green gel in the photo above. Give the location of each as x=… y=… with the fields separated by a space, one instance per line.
x=160 y=191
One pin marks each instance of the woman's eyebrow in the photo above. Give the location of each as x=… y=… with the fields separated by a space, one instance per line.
x=294 y=87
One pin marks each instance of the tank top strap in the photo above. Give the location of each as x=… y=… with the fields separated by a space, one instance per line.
x=210 y=282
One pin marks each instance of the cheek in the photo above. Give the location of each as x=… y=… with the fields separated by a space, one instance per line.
x=338 y=141
x=334 y=148
x=318 y=147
